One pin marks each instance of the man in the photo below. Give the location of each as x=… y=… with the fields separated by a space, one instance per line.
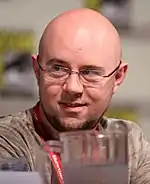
x=78 y=69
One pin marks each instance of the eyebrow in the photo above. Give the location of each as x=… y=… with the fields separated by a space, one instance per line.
x=55 y=60
x=93 y=67
x=59 y=61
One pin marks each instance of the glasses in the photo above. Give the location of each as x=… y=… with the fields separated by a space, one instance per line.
x=59 y=72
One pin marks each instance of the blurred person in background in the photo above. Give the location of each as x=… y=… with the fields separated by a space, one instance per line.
x=78 y=69
x=17 y=73
x=117 y=11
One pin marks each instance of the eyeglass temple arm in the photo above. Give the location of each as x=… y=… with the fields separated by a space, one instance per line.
x=113 y=70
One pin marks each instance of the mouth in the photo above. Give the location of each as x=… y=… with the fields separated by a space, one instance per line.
x=72 y=107
x=73 y=104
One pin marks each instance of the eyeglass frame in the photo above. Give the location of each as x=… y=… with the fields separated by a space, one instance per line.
x=78 y=72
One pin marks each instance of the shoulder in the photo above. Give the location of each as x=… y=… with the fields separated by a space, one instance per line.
x=16 y=128
x=138 y=151
x=16 y=136
x=133 y=128
x=137 y=142
x=15 y=120
x=136 y=139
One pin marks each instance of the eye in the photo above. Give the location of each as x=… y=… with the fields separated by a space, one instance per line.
x=57 y=67
x=57 y=70
x=91 y=72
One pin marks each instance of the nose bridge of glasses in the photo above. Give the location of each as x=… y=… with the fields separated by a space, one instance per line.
x=73 y=82
x=76 y=78
x=74 y=72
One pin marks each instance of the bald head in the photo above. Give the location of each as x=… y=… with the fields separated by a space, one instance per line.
x=77 y=49
x=81 y=31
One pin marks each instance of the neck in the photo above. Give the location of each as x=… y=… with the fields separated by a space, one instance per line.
x=46 y=129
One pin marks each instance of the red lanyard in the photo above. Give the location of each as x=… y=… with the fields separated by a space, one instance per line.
x=54 y=157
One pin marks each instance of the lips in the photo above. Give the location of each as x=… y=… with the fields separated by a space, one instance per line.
x=72 y=104
x=72 y=108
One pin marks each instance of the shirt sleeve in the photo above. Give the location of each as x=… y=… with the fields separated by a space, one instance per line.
x=140 y=157
x=12 y=149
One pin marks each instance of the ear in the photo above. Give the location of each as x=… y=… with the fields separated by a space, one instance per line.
x=35 y=66
x=120 y=76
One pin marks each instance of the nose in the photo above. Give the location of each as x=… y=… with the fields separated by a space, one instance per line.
x=73 y=85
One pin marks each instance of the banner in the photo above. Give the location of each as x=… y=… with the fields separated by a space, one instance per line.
x=117 y=11
x=14 y=41
x=93 y=4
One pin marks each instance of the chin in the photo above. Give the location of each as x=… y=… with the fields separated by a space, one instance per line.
x=70 y=123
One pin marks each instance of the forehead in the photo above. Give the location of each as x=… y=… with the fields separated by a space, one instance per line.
x=80 y=47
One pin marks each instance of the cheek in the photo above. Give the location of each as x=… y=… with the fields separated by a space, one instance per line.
x=101 y=94
x=99 y=100
x=49 y=91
